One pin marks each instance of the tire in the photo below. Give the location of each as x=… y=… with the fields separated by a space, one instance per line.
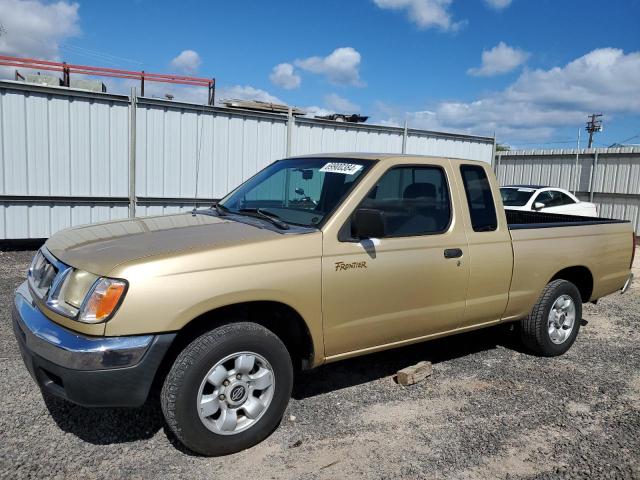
x=548 y=334
x=195 y=384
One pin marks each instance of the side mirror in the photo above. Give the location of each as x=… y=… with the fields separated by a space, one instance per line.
x=368 y=223
x=538 y=206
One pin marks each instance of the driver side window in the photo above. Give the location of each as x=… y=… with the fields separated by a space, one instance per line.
x=564 y=199
x=554 y=198
x=414 y=201
x=544 y=197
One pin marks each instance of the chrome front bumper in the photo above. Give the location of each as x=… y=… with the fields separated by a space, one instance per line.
x=91 y=371
x=73 y=350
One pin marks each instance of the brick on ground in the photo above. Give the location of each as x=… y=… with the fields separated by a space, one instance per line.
x=414 y=373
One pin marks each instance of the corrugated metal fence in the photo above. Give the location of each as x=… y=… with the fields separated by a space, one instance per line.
x=70 y=157
x=608 y=177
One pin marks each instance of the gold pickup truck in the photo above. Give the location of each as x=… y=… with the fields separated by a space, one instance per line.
x=312 y=260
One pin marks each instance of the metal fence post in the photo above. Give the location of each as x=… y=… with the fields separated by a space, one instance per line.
x=576 y=182
x=133 y=106
x=592 y=177
x=497 y=166
x=493 y=153
x=290 y=123
x=404 y=137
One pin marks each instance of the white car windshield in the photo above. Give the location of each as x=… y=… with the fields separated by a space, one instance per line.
x=516 y=197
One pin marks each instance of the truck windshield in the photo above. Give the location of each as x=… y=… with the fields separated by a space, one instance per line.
x=516 y=197
x=300 y=191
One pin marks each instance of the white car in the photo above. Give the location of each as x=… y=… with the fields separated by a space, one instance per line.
x=545 y=199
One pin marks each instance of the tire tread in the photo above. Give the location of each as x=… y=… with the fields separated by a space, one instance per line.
x=534 y=326
x=190 y=356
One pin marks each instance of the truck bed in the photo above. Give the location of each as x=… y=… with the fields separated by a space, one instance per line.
x=518 y=220
x=598 y=249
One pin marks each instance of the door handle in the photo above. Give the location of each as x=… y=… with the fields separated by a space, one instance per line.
x=452 y=253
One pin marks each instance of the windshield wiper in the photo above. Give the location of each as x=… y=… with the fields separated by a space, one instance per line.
x=221 y=209
x=260 y=213
x=195 y=212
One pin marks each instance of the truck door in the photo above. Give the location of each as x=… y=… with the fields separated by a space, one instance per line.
x=490 y=250
x=411 y=283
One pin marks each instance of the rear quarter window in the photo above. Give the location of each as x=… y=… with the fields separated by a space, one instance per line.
x=482 y=207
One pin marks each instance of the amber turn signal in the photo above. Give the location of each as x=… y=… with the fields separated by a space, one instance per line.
x=103 y=300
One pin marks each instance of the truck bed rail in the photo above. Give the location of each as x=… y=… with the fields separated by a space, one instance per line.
x=518 y=219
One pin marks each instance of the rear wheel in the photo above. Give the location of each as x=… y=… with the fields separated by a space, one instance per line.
x=553 y=324
x=228 y=389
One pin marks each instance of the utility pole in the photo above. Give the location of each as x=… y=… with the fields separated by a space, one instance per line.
x=593 y=125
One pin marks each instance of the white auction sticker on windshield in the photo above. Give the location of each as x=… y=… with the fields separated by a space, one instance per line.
x=343 y=168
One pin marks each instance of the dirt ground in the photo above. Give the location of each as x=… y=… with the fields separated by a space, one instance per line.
x=490 y=410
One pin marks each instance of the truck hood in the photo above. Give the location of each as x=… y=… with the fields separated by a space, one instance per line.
x=99 y=248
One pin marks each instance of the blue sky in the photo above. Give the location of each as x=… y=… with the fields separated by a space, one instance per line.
x=528 y=70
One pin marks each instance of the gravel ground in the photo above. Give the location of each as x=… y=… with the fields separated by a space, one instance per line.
x=489 y=410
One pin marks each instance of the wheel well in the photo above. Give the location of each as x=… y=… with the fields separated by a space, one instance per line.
x=581 y=277
x=277 y=317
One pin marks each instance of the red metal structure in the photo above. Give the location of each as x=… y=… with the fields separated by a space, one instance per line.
x=67 y=69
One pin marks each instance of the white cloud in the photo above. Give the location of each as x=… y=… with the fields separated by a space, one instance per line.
x=246 y=92
x=500 y=59
x=540 y=101
x=340 y=104
x=333 y=104
x=180 y=93
x=315 y=111
x=191 y=93
x=341 y=66
x=424 y=13
x=187 y=62
x=604 y=79
x=33 y=28
x=498 y=4
x=283 y=75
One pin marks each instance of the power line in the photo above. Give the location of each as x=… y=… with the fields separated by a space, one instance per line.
x=107 y=57
x=621 y=142
x=546 y=143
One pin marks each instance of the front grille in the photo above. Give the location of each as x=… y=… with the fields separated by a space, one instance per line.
x=41 y=275
x=46 y=277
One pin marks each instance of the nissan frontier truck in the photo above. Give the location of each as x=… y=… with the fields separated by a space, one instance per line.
x=313 y=260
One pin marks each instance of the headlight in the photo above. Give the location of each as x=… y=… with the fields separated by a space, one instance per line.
x=103 y=300
x=74 y=293
x=85 y=297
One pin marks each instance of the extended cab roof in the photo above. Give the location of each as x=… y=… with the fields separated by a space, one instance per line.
x=380 y=156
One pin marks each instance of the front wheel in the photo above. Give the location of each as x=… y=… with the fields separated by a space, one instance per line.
x=228 y=389
x=553 y=324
